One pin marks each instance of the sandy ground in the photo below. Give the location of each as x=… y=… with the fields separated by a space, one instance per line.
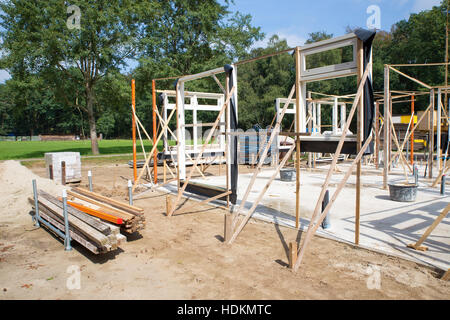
x=385 y=225
x=183 y=257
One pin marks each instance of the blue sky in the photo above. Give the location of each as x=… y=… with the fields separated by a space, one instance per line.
x=293 y=20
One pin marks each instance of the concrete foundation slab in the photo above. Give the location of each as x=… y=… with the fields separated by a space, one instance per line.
x=386 y=226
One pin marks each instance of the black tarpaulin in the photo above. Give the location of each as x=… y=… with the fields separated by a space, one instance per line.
x=367 y=37
x=233 y=139
x=349 y=147
x=160 y=100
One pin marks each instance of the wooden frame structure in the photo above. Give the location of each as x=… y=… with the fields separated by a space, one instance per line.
x=435 y=108
x=339 y=114
x=304 y=76
x=312 y=123
x=217 y=151
x=224 y=113
x=358 y=105
x=359 y=66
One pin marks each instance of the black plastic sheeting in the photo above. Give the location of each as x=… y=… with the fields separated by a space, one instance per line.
x=444 y=142
x=233 y=139
x=349 y=147
x=369 y=109
x=369 y=102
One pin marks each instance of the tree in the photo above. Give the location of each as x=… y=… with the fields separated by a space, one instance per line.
x=421 y=39
x=6 y=107
x=418 y=39
x=192 y=36
x=34 y=105
x=262 y=81
x=106 y=123
x=114 y=104
x=39 y=37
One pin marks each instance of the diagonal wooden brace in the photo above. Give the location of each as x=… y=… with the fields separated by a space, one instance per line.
x=313 y=226
x=263 y=157
x=261 y=194
x=341 y=141
x=417 y=245
x=154 y=148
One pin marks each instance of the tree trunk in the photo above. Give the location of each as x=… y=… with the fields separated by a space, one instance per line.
x=91 y=118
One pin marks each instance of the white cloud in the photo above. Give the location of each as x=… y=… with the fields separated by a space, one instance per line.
x=292 y=39
x=4 y=75
x=421 y=5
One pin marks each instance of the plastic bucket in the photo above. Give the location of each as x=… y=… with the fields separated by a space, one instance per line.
x=287 y=175
x=403 y=192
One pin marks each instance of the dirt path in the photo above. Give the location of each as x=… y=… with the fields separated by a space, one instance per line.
x=183 y=257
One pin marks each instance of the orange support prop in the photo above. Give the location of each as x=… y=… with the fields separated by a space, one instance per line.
x=133 y=105
x=155 y=155
x=412 y=130
x=96 y=213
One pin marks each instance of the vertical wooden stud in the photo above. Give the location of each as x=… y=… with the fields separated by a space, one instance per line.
x=155 y=154
x=133 y=126
x=228 y=227
x=431 y=146
x=298 y=126
x=412 y=131
x=387 y=127
x=293 y=250
x=360 y=138
x=438 y=130
x=377 y=134
x=169 y=205
x=63 y=173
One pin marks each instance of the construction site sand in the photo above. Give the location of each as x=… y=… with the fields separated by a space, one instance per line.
x=183 y=257
x=16 y=187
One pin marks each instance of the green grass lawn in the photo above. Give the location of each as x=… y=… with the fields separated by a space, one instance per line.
x=37 y=149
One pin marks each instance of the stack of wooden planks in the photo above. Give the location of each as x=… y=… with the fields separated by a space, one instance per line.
x=129 y=218
x=92 y=233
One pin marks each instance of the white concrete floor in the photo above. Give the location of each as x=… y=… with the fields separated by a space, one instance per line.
x=386 y=225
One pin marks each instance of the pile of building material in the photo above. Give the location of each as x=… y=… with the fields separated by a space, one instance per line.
x=92 y=233
x=128 y=217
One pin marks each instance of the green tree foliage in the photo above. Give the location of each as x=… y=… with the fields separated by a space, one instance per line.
x=420 y=39
x=192 y=36
x=6 y=108
x=262 y=81
x=106 y=123
x=72 y=80
x=37 y=38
